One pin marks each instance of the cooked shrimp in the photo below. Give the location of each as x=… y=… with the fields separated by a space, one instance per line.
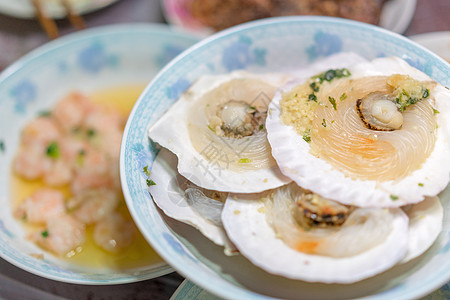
x=73 y=149
x=63 y=233
x=113 y=232
x=91 y=206
x=41 y=206
x=92 y=172
x=110 y=143
x=31 y=162
x=42 y=130
x=71 y=111
x=108 y=128
x=104 y=120
x=59 y=173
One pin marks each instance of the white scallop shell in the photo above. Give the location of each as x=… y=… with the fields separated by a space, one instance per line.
x=171 y=132
x=245 y=222
x=171 y=199
x=293 y=155
x=425 y=224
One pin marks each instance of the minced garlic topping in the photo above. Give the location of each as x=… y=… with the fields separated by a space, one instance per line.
x=297 y=110
x=407 y=90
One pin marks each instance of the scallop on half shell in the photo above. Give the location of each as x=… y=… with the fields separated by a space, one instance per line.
x=374 y=134
x=184 y=201
x=266 y=230
x=217 y=130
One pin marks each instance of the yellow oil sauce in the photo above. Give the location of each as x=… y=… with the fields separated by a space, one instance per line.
x=139 y=253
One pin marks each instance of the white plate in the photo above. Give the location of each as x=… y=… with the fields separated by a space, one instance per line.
x=54 y=8
x=395 y=15
x=438 y=42
x=87 y=61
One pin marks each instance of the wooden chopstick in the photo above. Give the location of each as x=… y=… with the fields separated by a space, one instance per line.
x=49 y=25
x=75 y=19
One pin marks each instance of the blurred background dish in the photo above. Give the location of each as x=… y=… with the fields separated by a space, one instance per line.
x=438 y=42
x=54 y=8
x=101 y=64
x=281 y=44
x=206 y=16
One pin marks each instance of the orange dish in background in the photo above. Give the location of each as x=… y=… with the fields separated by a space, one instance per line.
x=218 y=15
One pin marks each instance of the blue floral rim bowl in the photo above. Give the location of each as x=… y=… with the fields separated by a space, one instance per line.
x=263 y=46
x=86 y=61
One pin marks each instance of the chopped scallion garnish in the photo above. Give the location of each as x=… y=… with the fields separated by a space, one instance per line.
x=332 y=101
x=393 y=197
x=150 y=182
x=245 y=160
x=53 y=150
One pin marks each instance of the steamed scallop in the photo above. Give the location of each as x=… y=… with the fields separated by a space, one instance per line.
x=217 y=130
x=372 y=134
x=297 y=234
x=186 y=202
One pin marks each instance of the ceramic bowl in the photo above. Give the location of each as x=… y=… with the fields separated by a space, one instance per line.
x=280 y=44
x=86 y=61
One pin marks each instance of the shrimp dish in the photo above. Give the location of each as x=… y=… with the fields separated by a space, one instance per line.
x=73 y=152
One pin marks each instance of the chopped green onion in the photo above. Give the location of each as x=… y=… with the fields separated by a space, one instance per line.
x=435 y=111
x=393 y=197
x=343 y=97
x=146 y=171
x=332 y=101
x=44 y=113
x=252 y=107
x=324 y=123
x=245 y=160
x=307 y=136
x=44 y=233
x=329 y=75
x=426 y=93
x=261 y=127
x=150 y=182
x=91 y=132
x=342 y=73
x=53 y=150
x=420 y=184
x=312 y=97
x=210 y=128
x=2 y=146
x=80 y=157
x=314 y=86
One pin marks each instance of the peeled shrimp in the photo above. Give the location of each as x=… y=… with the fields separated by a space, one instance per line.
x=58 y=174
x=92 y=206
x=113 y=232
x=41 y=206
x=31 y=162
x=103 y=120
x=92 y=172
x=71 y=111
x=42 y=130
x=63 y=234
